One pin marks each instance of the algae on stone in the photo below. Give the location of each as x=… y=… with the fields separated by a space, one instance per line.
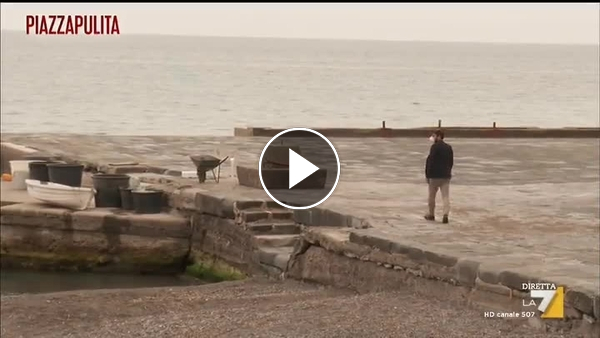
x=89 y=261
x=212 y=269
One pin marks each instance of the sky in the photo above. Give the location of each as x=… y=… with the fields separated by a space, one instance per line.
x=501 y=23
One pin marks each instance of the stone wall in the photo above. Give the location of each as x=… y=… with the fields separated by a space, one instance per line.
x=223 y=238
x=42 y=237
x=365 y=260
x=215 y=230
x=218 y=229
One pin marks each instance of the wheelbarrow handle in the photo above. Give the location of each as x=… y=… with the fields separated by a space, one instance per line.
x=223 y=161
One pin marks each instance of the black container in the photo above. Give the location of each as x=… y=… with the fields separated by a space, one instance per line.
x=147 y=201
x=38 y=170
x=65 y=173
x=126 y=198
x=107 y=189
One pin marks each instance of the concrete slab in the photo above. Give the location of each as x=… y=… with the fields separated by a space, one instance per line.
x=276 y=240
x=10 y=196
x=527 y=204
x=101 y=220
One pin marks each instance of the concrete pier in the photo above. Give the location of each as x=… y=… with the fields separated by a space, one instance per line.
x=456 y=132
x=522 y=211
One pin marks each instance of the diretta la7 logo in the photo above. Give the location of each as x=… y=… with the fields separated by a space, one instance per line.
x=552 y=304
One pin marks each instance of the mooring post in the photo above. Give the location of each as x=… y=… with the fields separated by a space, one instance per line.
x=383 y=124
x=439 y=123
x=494 y=126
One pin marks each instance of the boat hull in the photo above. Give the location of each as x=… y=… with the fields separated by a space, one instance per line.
x=60 y=195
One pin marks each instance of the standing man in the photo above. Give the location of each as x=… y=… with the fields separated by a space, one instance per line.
x=438 y=171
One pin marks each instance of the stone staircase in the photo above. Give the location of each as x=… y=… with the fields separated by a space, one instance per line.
x=274 y=230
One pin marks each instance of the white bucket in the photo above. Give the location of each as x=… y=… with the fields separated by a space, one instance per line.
x=18 y=180
x=19 y=165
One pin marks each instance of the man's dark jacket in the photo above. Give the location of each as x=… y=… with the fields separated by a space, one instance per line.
x=440 y=161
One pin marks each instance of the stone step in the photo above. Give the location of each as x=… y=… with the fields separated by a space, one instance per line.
x=276 y=240
x=275 y=205
x=254 y=214
x=270 y=228
x=277 y=257
x=281 y=214
x=258 y=204
x=249 y=204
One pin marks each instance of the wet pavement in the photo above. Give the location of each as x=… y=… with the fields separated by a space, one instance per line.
x=528 y=205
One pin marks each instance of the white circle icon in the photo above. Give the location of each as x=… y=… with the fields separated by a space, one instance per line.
x=298 y=169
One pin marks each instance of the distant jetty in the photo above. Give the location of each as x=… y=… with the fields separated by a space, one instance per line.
x=453 y=132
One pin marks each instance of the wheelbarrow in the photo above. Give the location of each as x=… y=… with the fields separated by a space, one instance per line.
x=205 y=163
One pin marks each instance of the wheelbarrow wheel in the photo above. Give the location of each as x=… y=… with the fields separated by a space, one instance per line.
x=201 y=176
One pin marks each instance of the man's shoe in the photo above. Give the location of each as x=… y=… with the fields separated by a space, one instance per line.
x=430 y=217
x=445 y=219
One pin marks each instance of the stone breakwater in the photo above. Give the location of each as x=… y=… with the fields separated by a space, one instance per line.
x=456 y=132
x=510 y=227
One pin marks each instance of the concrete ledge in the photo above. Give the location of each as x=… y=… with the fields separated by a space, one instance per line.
x=454 y=132
x=102 y=220
x=369 y=252
x=325 y=217
x=198 y=200
x=38 y=236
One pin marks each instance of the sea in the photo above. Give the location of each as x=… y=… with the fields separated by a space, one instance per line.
x=175 y=85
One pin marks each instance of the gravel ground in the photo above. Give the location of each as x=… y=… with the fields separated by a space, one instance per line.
x=246 y=309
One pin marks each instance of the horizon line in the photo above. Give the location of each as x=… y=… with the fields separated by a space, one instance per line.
x=343 y=39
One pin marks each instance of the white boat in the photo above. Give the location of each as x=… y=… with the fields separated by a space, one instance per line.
x=60 y=195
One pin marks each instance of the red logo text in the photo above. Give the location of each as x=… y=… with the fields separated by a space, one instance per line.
x=72 y=24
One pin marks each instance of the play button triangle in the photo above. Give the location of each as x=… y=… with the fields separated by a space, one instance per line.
x=300 y=168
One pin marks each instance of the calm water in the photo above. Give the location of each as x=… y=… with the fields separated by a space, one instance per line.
x=198 y=85
x=16 y=282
